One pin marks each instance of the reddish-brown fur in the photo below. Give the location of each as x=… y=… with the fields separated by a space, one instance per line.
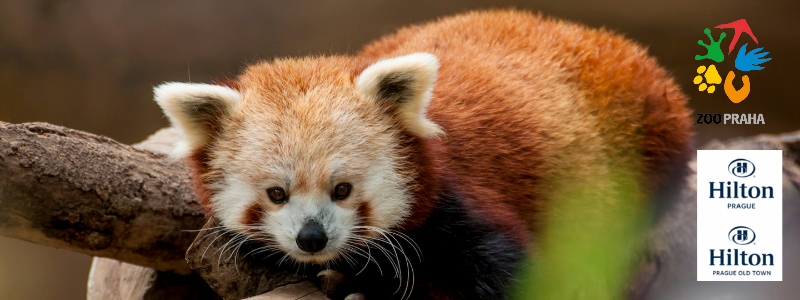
x=529 y=106
x=253 y=214
x=198 y=163
x=526 y=102
x=498 y=153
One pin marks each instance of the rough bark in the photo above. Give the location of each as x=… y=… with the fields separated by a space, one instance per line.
x=90 y=194
x=112 y=279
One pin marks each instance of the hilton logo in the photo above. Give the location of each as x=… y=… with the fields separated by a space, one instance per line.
x=742 y=235
x=730 y=197
x=741 y=168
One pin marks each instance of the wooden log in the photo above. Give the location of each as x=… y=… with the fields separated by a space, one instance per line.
x=112 y=279
x=90 y=194
x=300 y=291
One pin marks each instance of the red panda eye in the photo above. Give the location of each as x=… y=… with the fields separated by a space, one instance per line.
x=341 y=191
x=277 y=195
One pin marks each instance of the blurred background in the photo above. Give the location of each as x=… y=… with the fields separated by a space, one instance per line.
x=91 y=65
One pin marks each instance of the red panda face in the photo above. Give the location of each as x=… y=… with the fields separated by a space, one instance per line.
x=307 y=147
x=305 y=156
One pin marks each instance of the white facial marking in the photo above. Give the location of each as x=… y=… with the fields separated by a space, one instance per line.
x=234 y=198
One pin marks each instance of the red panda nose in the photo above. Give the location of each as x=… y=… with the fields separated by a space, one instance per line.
x=311 y=237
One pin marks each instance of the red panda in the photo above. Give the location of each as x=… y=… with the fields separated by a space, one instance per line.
x=433 y=149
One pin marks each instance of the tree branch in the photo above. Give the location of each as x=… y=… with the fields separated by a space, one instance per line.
x=90 y=194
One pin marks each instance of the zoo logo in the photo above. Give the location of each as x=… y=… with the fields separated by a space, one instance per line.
x=745 y=61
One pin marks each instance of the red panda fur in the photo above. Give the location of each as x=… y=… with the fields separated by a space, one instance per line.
x=525 y=102
x=495 y=63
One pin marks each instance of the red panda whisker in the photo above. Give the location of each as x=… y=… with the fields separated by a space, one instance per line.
x=369 y=257
x=350 y=251
x=225 y=231
x=347 y=259
x=394 y=262
x=203 y=229
x=260 y=250
x=394 y=249
x=410 y=241
x=368 y=250
x=271 y=254
x=280 y=262
x=391 y=239
x=224 y=247
x=384 y=251
x=233 y=245
x=393 y=233
x=229 y=246
x=398 y=268
x=236 y=252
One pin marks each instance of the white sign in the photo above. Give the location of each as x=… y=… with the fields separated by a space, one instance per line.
x=739 y=215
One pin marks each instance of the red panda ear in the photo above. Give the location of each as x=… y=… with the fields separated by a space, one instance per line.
x=406 y=82
x=196 y=109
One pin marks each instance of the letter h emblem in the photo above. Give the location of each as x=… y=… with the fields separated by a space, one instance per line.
x=741 y=168
x=741 y=235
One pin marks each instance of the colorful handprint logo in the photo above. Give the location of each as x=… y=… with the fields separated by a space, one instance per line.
x=745 y=61
x=714 y=52
x=711 y=78
x=749 y=61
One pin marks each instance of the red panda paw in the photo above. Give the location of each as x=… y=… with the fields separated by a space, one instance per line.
x=355 y=296
x=335 y=285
